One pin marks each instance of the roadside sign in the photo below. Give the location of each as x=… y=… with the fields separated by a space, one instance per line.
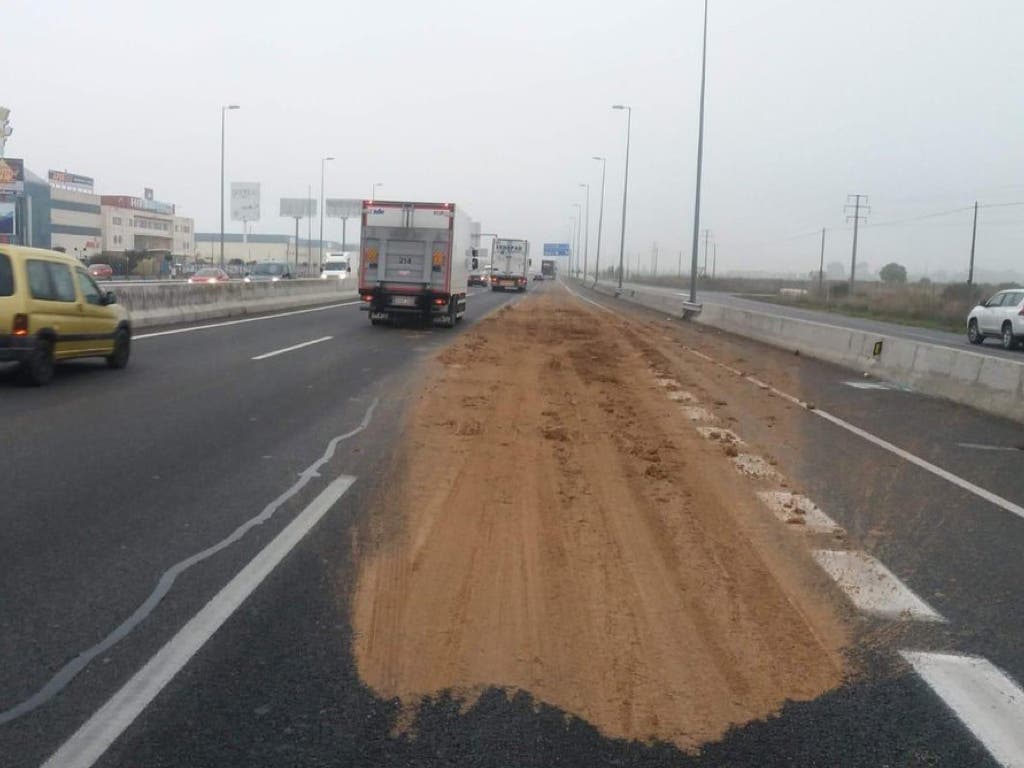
x=297 y=207
x=340 y=208
x=8 y=220
x=12 y=175
x=245 y=201
x=556 y=249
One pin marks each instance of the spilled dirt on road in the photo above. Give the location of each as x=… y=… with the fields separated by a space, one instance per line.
x=557 y=525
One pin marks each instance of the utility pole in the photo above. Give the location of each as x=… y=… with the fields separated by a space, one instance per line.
x=625 y=188
x=600 y=220
x=714 y=261
x=856 y=218
x=821 y=265
x=654 y=259
x=974 y=235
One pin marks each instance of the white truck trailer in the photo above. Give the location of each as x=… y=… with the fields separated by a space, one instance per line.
x=415 y=261
x=511 y=262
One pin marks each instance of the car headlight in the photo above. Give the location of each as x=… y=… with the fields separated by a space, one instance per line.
x=274 y=279
x=246 y=279
x=323 y=275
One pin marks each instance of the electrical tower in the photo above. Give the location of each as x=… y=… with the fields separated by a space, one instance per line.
x=861 y=209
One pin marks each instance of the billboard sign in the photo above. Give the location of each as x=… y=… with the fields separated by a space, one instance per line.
x=12 y=175
x=137 y=204
x=8 y=221
x=340 y=208
x=298 y=207
x=556 y=249
x=72 y=181
x=245 y=201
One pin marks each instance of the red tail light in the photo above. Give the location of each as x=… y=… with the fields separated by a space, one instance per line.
x=1021 y=312
x=367 y=297
x=440 y=302
x=20 y=325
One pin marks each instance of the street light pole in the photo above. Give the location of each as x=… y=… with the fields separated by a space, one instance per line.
x=700 y=161
x=577 y=238
x=586 y=234
x=223 y=114
x=373 y=190
x=600 y=221
x=625 y=187
x=323 y=173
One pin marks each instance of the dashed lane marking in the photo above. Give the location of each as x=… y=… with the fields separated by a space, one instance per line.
x=985 y=699
x=292 y=348
x=872 y=587
x=795 y=508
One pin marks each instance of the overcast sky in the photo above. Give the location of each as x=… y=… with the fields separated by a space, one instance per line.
x=499 y=106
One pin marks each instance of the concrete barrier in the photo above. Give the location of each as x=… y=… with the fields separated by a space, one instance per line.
x=986 y=382
x=151 y=304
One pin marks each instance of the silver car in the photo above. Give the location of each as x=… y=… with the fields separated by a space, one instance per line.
x=1002 y=315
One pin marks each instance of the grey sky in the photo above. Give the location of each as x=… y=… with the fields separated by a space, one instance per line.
x=499 y=106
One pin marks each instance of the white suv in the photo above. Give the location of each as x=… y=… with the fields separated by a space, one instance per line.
x=1002 y=316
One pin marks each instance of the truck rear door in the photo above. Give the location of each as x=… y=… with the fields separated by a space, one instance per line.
x=407 y=247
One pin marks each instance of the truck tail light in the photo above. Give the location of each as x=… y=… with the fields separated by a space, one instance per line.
x=1021 y=312
x=20 y=325
x=367 y=297
x=440 y=301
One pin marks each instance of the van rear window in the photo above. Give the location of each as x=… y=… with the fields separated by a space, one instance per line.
x=6 y=276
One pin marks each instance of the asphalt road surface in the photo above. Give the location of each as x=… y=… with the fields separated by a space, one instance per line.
x=114 y=479
x=914 y=333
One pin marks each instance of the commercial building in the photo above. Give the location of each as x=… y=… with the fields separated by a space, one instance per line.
x=261 y=248
x=144 y=224
x=76 y=223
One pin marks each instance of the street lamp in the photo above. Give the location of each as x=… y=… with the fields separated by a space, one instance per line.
x=600 y=221
x=373 y=190
x=625 y=188
x=577 y=237
x=323 y=172
x=223 y=113
x=700 y=162
x=586 y=233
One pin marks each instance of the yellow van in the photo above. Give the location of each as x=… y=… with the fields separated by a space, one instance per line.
x=51 y=309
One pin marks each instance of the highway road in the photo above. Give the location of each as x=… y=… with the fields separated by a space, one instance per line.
x=281 y=429
x=915 y=333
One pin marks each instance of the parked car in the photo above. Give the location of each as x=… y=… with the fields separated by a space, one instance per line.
x=51 y=309
x=210 y=275
x=1002 y=315
x=268 y=271
x=101 y=271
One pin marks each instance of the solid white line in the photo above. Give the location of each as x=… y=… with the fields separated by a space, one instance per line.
x=90 y=741
x=872 y=587
x=584 y=298
x=981 y=447
x=244 y=320
x=292 y=348
x=985 y=699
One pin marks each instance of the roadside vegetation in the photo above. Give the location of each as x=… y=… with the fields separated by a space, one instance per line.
x=924 y=304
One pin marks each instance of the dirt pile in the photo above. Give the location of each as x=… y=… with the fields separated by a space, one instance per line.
x=559 y=526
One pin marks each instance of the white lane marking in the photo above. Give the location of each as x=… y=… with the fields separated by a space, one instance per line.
x=67 y=673
x=292 y=348
x=755 y=466
x=868 y=385
x=795 y=508
x=600 y=306
x=243 y=320
x=985 y=699
x=946 y=475
x=872 y=587
x=96 y=735
x=980 y=447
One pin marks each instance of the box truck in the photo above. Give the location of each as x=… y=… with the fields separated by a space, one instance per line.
x=511 y=262
x=548 y=269
x=415 y=261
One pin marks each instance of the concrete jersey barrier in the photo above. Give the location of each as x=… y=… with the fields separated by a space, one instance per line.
x=986 y=382
x=151 y=304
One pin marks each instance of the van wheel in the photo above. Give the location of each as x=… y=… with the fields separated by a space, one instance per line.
x=122 y=350
x=37 y=370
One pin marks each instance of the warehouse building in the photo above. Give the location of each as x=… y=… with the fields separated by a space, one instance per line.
x=261 y=248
